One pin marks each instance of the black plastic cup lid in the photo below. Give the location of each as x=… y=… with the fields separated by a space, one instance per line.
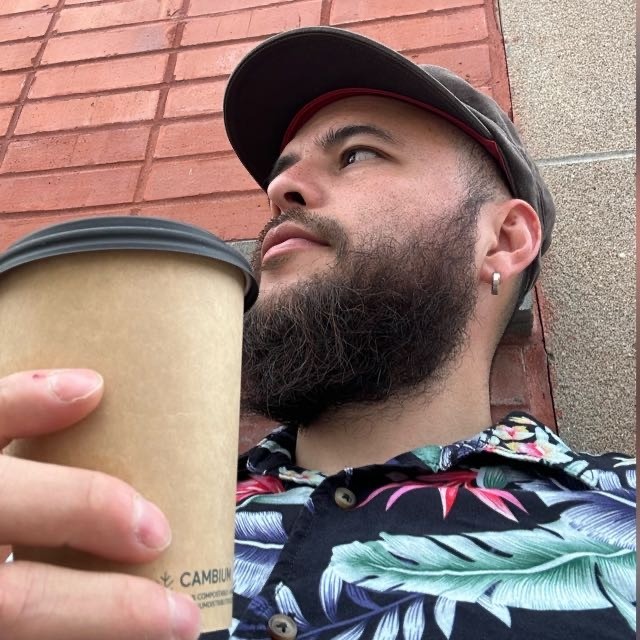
x=127 y=232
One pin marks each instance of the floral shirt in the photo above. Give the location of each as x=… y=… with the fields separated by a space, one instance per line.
x=509 y=534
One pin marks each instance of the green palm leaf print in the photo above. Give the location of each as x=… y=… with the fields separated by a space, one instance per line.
x=550 y=568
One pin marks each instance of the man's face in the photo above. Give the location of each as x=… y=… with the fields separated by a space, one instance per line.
x=361 y=166
x=367 y=267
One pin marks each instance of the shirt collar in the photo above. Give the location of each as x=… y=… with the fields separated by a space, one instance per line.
x=518 y=436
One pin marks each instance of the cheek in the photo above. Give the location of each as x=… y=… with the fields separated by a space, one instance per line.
x=393 y=212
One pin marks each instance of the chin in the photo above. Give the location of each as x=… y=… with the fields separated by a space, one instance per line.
x=285 y=274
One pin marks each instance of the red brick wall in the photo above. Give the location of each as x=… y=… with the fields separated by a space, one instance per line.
x=114 y=106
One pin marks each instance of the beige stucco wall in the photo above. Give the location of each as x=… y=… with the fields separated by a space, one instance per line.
x=572 y=74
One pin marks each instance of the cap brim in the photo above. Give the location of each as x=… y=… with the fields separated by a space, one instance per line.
x=288 y=71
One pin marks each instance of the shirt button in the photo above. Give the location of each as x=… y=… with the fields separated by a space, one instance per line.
x=345 y=498
x=282 y=627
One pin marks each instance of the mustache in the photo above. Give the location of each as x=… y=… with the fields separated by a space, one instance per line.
x=325 y=228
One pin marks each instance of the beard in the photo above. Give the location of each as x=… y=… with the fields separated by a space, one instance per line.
x=384 y=322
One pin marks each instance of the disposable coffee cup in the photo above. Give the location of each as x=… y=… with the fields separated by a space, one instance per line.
x=156 y=307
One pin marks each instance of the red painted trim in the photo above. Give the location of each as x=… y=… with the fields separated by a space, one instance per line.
x=311 y=108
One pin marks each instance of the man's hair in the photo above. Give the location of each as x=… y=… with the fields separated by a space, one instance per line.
x=482 y=178
x=483 y=181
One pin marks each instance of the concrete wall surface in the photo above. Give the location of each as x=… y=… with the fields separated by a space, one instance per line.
x=571 y=66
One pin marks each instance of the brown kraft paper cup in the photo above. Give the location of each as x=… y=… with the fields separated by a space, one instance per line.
x=164 y=328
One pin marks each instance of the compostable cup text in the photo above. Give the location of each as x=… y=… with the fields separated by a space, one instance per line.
x=156 y=307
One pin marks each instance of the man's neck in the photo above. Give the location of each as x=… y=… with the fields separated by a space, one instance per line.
x=354 y=436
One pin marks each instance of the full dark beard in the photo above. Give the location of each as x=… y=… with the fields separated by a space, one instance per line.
x=387 y=320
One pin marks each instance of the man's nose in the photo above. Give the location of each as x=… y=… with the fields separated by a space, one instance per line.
x=295 y=187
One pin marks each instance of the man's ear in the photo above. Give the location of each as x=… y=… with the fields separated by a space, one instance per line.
x=513 y=237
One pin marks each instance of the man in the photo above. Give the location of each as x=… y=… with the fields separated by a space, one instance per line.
x=408 y=221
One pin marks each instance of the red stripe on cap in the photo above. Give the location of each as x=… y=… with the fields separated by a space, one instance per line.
x=311 y=108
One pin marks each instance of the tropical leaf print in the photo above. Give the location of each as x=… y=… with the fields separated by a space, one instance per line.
x=536 y=444
x=256 y=485
x=498 y=610
x=274 y=446
x=445 y=613
x=548 y=568
x=448 y=484
x=287 y=603
x=295 y=496
x=259 y=540
x=414 y=622
x=330 y=589
x=388 y=627
x=359 y=596
x=383 y=620
x=609 y=517
x=630 y=475
x=625 y=605
x=353 y=633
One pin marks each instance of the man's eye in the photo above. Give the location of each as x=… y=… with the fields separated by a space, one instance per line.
x=357 y=155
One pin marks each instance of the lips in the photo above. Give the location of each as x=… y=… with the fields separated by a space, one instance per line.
x=288 y=237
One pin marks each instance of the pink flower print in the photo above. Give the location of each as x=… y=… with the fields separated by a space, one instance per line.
x=448 y=484
x=256 y=485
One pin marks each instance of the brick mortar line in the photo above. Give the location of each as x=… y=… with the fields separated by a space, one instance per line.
x=97 y=94
x=156 y=86
x=93 y=129
x=99 y=3
x=209 y=45
x=145 y=170
x=207 y=155
x=422 y=14
x=109 y=126
x=23 y=40
x=447 y=47
x=8 y=16
x=177 y=17
x=169 y=50
x=105 y=92
x=180 y=17
x=78 y=168
x=111 y=27
x=55 y=171
x=147 y=88
x=230 y=12
x=145 y=204
x=206 y=45
x=26 y=87
x=71 y=63
x=325 y=12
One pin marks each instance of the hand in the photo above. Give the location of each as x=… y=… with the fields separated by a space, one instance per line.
x=48 y=505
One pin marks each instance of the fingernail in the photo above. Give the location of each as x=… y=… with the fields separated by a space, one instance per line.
x=150 y=525
x=74 y=384
x=185 y=617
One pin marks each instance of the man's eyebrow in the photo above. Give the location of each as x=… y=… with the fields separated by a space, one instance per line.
x=328 y=139
x=332 y=137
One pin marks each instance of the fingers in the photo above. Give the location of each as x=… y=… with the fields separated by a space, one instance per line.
x=39 y=601
x=91 y=511
x=48 y=505
x=37 y=402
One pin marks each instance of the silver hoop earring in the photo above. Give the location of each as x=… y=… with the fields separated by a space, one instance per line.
x=495 y=283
